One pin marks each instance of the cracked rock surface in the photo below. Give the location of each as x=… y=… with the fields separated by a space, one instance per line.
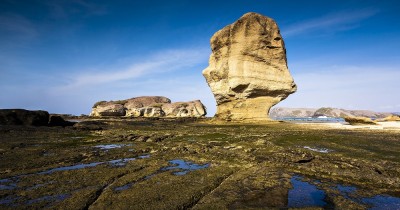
x=194 y=164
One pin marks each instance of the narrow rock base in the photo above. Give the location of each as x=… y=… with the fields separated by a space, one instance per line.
x=250 y=109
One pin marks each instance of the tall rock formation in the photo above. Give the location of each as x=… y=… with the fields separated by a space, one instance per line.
x=247 y=70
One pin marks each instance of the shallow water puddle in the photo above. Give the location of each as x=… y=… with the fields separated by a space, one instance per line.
x=382 y=202
x=374 y=203
x=11 y=183
x=8 y=200
x=184 y=167
x=320 y=150
x=11 y=200
x=305 y=194
x=117 y=162
x=49 y=198
x=111 y=146
x=345 y=191
x=124 y=187
x=7 y=184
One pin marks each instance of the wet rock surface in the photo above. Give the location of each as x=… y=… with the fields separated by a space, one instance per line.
x=166 y=164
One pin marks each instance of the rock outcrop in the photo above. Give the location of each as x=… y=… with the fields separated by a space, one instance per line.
x=391 y=118
x=185 y=109
x=23 y=117
x=334 y=112
x=359 y=121
x=56 y=120
x=31 y=118
x=109 y=109
x=280 y=112
x=247 y=70
x=146 y=106
x=149 y=106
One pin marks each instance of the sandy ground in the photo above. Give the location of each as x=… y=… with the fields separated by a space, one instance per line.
x=389 y=126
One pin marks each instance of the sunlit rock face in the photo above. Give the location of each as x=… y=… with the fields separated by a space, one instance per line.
x=185 y=109
x=148 y=106
x=247 y=70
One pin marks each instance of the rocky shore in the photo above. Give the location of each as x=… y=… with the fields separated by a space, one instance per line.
x=173 y=164
x=149 y=153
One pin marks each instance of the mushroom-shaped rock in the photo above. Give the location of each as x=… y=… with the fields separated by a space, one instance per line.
x=247 y=70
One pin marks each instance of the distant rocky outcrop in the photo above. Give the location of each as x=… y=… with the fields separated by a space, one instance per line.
x=279 y=112
x=148 y=106
x=23 y=117
x=247 y=70
x=359 y=120
x=31 y=118
x=56 y=120
x=334 y=112
x=391 y=118
x=109 y=109
x=184 y=109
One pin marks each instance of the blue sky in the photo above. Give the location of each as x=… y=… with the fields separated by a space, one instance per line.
x=64 y=55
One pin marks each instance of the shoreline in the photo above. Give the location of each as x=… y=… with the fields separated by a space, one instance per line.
x=384 y=126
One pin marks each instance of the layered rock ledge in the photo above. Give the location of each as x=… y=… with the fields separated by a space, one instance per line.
x=247 y=70
x=148 y=106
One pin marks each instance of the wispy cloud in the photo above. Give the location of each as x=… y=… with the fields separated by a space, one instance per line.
x=17 y=26
x=66 y=8
x=166 y=72
x=160 y=62
x=339 y=21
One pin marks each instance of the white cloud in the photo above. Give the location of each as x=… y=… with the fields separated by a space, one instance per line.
x=339 y=21
x=160 y=62
x=170 y=73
